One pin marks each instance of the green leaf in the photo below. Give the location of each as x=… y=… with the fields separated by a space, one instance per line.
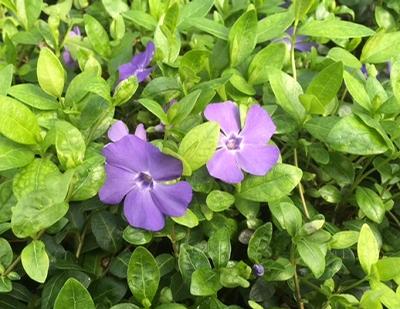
x=141 y=19
x=357 y=90
x=199 y=144
x=381 y=47
x=115 y=7
x=70 y=144
x=340 y=54
x=193 y=9
x=242 y=37
x=287 y=91
x=180 y=110
x=301 y=8
x=219 y=247
x=191 y=258
x=105 y=230
x=5 y=285
x=17 y=122
x=279 y=182
x=50 y=73
x=387 y=268
x=34 y=177
x=209 y=26
x=35 y=261
x=371 y=204
x=155 y=108
x=28 y=11
x=13 y=155
x=351 y=135
x=189 y=219
x=136 y=236
x=273 y=26
x=395 y=79
x=271 y=56
x=219 y=200
x=6 y=76
x=235 y=275
x=259 y=245
x=287 y=214
x=388 y=297
x=73 y=295
x=125 y=90
x=143 y=276
x=97 y=36
x=334 y=29
x=33 y=96
x=205 y=282
x=371 y=300
x=6 y=253
x=312 y=255
x=344 y=239
x=163 y=87
x=326 y=84
x=367 y=248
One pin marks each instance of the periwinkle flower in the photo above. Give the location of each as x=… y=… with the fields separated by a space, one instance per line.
x=302 y=43
x=141 y=175
x=67 y=57
x=258 y=270
x=241 y=149
x=138 y=66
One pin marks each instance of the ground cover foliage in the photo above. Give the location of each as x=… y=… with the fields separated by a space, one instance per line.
x=285 y=195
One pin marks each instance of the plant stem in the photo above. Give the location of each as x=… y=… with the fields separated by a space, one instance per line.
x=81 y=240
x=292 y=46
x=296 y=279
x=301 y=189
x=315 y=287
x=351 y=286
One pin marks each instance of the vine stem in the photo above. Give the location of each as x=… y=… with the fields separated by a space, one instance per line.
x=301 y=189
x=296 y=279
x=292 y=46
x=355 y=284
x=81 y=241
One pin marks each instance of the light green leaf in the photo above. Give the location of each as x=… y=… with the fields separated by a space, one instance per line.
x=340 y=54
x=141 y=19
x=155 y=108
x=367 y=248
x=381 y=47
x=191 y=258
x=50 y=73
x=33 y=96
x=242 y=37
x=273 y=26
x=205 y=282
x=334 y=29
x=209 y=26
x=199 y=144
x=259 y=248
x=219 y=247
x=17 y=122
x=301 y=8
x=13 y=155
x=28 y=11
x=73 y=295
x=279 y=182
x=6 y=76
x=371 y=204
x=180 y=110
x=287 y=214
x=357 y=90
x=189 y=219
x=312 y=255
x=287 y=91
x=6 y=253
x=344 y=239
x=35 y=261
x=219 y=200
x=97 y=36
x=388 y=268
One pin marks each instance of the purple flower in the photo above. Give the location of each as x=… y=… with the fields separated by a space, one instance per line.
x=67 y=57
x=138 y=171
x=241 y=149
x=258 y=270
x=302 y=44
x=138 y=66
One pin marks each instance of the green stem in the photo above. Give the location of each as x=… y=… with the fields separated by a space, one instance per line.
x=301 y=189
x=351 y=286
x=315 y=287
x=296 y=279
x=292 y=46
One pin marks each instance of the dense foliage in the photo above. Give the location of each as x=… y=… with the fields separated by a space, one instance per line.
x=284 y=195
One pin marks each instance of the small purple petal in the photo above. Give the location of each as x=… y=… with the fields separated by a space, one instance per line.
x=142 y=74
x=161 y=166
x=304 y=46
x=67 y=57
x=129 y=153
x=258 y=127
x=226 y=114
x=76 y=31
x=143 y=59
x=141 y=211
x=126 y=70
x=118 y=183
x=141 y=132
x=223 y=166
x=159 y=128
x=172 y=200
x=257 y=159
x=117 y=131
x=258 y=270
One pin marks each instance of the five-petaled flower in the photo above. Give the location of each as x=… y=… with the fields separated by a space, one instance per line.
x=138 y=66
x=241 y=149
x=138 y=171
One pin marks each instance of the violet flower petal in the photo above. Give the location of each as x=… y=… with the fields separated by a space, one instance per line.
x=118 y=183
x=257 y=159
x=117 y=131
x=223 y=166
x=226 y=114
x=141 y=211
x=258 y=127
x=129 y=153
x=142 y=74
x=141 y=132
x=161 y=166
x=172 y=200
x=143 y=59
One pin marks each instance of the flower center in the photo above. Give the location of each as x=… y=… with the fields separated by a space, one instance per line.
x=233 y=142
x=145 y=180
